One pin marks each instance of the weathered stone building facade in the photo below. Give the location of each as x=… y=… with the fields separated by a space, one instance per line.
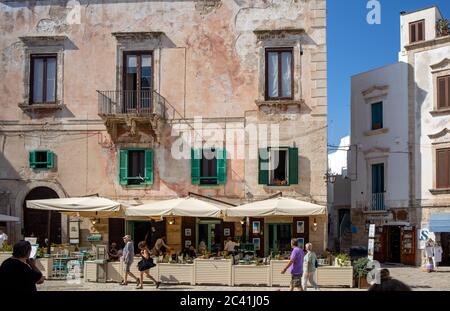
x=94 y=83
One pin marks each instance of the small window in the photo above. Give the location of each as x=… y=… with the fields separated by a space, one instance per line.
x=43 y=79
x=377 y=116
x=417 y=31
x=278 y=166
x=208 y=166
x=443 y=92
x=443 y=168
x=41 y=159
x=279 y=74
x=378 y=178
x=136 y=167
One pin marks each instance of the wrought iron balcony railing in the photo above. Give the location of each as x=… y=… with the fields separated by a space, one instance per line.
x=136 y=103
x=376 y=202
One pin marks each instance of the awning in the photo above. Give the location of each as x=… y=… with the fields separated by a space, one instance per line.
x=439 y=223
x=279 y=206
x=84 y=204
x=189 y=207
x=6 y=218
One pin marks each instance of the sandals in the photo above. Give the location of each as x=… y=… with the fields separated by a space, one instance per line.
x=157 y=284
x=123 y=283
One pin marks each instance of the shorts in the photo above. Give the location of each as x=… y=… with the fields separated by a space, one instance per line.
x=127 y=266
x=296 y=280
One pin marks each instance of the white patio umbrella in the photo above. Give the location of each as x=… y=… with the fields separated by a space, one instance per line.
x=279 y=206
x=189 y=207
x=83 y=204
x=7 y=218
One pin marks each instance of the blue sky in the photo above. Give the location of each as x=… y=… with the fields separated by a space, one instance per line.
x=354 y=46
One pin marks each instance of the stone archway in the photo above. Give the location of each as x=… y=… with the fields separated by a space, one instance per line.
x=35 y=222
x=20 y=202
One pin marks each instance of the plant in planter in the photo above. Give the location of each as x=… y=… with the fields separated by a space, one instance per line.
x=342 y=259
x=360 y=272
x=6 y=248
x=442 y=26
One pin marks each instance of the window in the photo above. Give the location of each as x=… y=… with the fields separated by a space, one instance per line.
x=443 y=168
x=41 y=159
x=417 y=31
x=278 y=166
x=443 y=92
x=43 y=79
x=279 y=74
x=138 y=79
x=208 y=166
x=136 y=167
x=377 y=116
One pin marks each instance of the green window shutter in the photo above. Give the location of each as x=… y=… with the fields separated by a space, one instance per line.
x=263 y=166
x=32 y=157
x=50 y=160
x=221 y=166
x=195 y=166
x=293 y=166
x=148 y=167
x=123 y=167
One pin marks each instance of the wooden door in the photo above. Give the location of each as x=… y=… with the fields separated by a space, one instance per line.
x=408 y=246
x=380 y=243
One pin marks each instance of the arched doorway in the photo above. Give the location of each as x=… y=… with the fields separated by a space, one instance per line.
x=36 y=221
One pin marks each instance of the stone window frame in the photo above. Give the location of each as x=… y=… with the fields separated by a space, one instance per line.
x=440 y=140
x=372 y=157
x=43 y=45
x=280 y=39
x=138 y=41
x=439 y=70
x=373 y=95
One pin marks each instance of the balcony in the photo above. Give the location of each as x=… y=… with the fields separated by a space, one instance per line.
x=131 y=108
x=376 y=203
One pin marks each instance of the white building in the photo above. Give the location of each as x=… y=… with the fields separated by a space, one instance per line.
x=401 y=127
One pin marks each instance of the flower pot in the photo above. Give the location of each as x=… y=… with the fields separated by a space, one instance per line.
x=362 y=283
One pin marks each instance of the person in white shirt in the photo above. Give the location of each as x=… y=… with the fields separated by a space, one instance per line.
x=3 y=238
x=437 y=255
x=230 y=246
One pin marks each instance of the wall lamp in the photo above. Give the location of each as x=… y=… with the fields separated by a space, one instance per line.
x=172 y=221
x=315 y=225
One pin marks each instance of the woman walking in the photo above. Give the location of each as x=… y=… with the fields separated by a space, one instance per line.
x=145 y=265
x=309 y=268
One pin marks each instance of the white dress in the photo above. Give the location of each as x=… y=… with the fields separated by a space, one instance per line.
x=437 y=254
x=429 y=251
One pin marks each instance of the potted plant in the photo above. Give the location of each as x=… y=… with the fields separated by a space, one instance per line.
x=342 y=259
x=442 y=27
x=360 y=271
x=5 y=252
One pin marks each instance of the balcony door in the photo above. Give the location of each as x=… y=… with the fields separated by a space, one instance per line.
x=378 y=187
x=138 y=80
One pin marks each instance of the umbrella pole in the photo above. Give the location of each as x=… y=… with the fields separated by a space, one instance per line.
x=49 y=229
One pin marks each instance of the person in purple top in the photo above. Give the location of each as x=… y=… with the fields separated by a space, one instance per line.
x=295 y=266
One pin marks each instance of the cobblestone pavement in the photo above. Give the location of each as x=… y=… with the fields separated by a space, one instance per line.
x=414 y=277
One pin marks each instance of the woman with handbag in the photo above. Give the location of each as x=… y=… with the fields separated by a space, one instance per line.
x=145 y=265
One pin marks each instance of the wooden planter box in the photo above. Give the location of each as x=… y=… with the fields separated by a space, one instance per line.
x=176 y=273
x=94 y=272
x=4 y=256
x=335 y=276
x=114 y=271
x=251 y=275
x=211 y=271
x=46 y=267
x=276 y=278
x=362 y=283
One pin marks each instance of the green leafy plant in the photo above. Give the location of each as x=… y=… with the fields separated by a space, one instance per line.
x=360 y=268
x=6 y=248
x=443 y=27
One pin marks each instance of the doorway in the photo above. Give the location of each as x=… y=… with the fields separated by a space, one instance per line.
x=394 y=244
x=445 y=243
x=116 y=231
x=209 y=232
x=35 y=222
x=280 y=236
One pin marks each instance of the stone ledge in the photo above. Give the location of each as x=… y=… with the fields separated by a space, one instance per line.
x=440 y=191
x=440 y=112
x=37 y=107
x=279 y=103
x=376 y=132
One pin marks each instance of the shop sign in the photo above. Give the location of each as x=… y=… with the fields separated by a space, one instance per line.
x=424 y=235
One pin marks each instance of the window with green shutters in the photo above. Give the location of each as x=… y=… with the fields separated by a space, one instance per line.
x=41 y=160
x=208 y=167
x=136 y=167
x=278 y=166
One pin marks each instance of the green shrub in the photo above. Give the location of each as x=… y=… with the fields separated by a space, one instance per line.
x=360 y=267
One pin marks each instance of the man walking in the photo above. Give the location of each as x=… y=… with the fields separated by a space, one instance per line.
x=128 y=256
x=295 y=266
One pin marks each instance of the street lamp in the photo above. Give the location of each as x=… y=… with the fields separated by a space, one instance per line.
x=330 y=178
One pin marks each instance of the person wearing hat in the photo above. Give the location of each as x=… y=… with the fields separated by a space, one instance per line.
x=127 y=257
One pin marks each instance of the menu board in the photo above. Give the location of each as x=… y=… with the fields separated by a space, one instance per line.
x=378 y=245
x=407 y=241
